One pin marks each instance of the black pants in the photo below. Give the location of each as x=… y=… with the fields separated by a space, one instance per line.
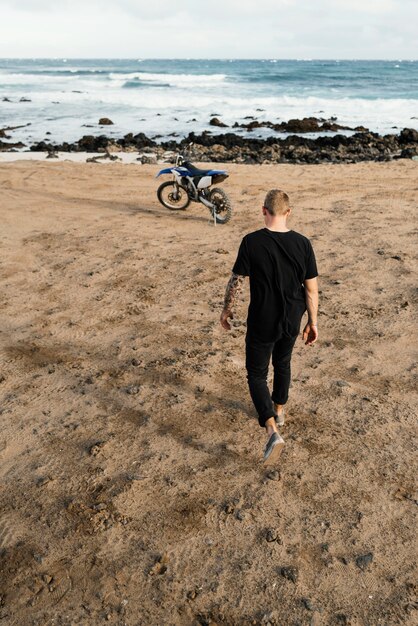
x=258 y=355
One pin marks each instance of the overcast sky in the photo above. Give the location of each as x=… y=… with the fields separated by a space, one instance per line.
x=325 y=29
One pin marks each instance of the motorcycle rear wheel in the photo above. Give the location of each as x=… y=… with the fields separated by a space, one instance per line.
x=223 y=211
x=172 y=196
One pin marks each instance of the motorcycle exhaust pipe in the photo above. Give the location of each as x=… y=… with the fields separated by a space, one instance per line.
x=207 y=203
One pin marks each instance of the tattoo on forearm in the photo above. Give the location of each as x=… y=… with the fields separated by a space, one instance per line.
x=232 y=290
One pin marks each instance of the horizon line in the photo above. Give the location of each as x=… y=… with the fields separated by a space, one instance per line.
x=140 y=59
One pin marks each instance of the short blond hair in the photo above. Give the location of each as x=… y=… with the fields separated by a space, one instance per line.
x=276 y=202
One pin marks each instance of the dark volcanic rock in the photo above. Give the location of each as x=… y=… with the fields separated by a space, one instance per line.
x=138 y=141
x=105 y=121
x=231 y=147
x=148 y=159
x=408 y=153
x=253 y=125
x=305 y=125
x=42 y=146
x=408 y=135
x=90 y=143
x=4 y=146
x=362 y=146
x=141 y=141
x=217 y=122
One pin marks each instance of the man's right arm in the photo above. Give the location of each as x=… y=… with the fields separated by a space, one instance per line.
x=310 y=332
x=239 y=271
x=232 y=290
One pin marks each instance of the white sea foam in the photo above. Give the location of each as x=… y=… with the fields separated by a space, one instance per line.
x=66 y=97
x=174 y=80
x=378 y=114
x=34 y=79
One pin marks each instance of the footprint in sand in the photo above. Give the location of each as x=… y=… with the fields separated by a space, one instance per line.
x=50 y=587
x=11 y=531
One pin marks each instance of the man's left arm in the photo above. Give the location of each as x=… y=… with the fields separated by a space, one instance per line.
x=310 y=332
x=233 y=289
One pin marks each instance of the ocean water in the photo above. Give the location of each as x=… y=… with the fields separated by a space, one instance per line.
x=170 y=98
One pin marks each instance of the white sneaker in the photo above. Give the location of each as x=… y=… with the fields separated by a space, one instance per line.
x=273 y=449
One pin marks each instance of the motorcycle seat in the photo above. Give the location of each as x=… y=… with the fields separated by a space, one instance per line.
x=195 y=171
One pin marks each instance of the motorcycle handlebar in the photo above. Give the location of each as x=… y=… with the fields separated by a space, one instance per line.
x=180 y=158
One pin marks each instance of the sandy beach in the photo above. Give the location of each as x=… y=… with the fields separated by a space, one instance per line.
x=132 y=488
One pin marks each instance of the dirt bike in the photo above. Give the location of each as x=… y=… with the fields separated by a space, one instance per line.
x=191 y=184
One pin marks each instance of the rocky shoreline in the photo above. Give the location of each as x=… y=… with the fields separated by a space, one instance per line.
x=362 y=145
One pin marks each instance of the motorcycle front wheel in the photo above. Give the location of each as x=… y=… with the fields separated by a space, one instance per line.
x=172 y=196
x=223 y=209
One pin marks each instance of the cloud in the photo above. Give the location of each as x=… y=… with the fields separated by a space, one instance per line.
x=363 y=6
x=216 y=10
x=219 y=28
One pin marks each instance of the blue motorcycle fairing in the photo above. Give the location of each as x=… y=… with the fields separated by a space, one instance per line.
x=193 y=174
x=168 y=170
x=186 y=172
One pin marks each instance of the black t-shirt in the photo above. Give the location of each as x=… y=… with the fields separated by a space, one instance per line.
x=277 y=264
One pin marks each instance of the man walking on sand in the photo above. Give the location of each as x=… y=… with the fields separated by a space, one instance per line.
x=283 y=284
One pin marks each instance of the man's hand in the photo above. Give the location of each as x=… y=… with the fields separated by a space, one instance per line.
x=310 y=334
x=224 y=319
